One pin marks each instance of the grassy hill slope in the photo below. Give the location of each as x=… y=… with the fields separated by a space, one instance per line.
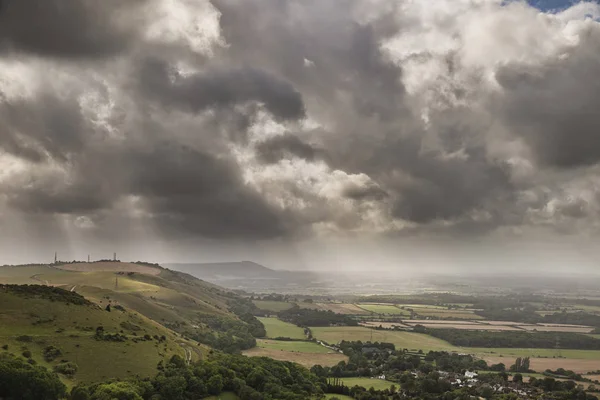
x=54 y=327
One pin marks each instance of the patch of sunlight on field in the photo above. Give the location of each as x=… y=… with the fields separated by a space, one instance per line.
x=294 y=346
x=383 y=309
x=367 y=383
x=277 y=328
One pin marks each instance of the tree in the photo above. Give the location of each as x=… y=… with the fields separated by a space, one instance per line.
x=215 y=385
x=116 y=390
x=20 y=380
x=517 y=378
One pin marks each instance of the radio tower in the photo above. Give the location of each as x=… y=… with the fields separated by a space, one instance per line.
x=88 y=258
x=114 y=256
x=55 y=257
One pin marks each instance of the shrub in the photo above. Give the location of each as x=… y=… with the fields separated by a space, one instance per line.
x=26 y=354
x=51 y=353
x=66 y=368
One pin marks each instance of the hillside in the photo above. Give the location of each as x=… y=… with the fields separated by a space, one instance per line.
x=61 y=329
x=157 y=300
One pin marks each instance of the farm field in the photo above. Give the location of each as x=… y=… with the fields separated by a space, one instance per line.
x=386 y=325
x=367 y=383
x=383 y=309
x=400 y=339
x=470 y=327
x=468 y=315
x=428 y=321
x=277 y=328
x=545 y=353
x=551 y=328
x=580 y=366
x=274 y=306
x=339 y=308
x=305 y=359
x=292 y=346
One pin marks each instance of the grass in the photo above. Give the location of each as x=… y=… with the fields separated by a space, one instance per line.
x=295 y=346
x=224 y=396
x=329 y=396
x=383 y=309
x=274 y=306
x=305 y=359
x=547 y=353
x=71 y=328
x=401 y=339
x=367 y=383
x=277 y=328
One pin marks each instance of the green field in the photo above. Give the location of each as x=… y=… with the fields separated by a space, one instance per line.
x=294 y=346
x=329 y=396
x=401 y=339
x=545 y=353
x=383 y=309
x=277 y=328
x=367 y=383
x=274 y=306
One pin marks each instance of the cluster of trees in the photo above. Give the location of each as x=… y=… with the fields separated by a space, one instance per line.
x=516 y=339
x=249 y=378
x=245 y=310
x=574 y=318
x=564 y=373
x=520 y=365
x=23 y=381
x=46 y=293
x=225 y=334
x=309 y=317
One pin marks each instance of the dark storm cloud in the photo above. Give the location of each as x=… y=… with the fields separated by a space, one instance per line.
x=223 y=87
x=46 y=125
x=279 y=147
x=321 y=47
x=65 y=28
x=555 y=107
x=190 y=190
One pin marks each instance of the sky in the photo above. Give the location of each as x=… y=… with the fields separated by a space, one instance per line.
x=301 y=133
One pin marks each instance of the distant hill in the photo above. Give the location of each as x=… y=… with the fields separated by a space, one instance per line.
x=226 y=270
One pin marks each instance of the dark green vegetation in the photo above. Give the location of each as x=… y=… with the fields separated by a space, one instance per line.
x=23 y=381
x=311 y=317
x=249 y=378
x=515 y=339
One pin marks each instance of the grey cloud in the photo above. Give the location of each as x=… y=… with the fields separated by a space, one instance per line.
x=66 y=28
x=224 y=87
x=46 y=125
x=555 y=107
x=279 y=147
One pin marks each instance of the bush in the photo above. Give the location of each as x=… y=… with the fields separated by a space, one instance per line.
x=26 y=354
x=51 y=353
x=66 y=368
